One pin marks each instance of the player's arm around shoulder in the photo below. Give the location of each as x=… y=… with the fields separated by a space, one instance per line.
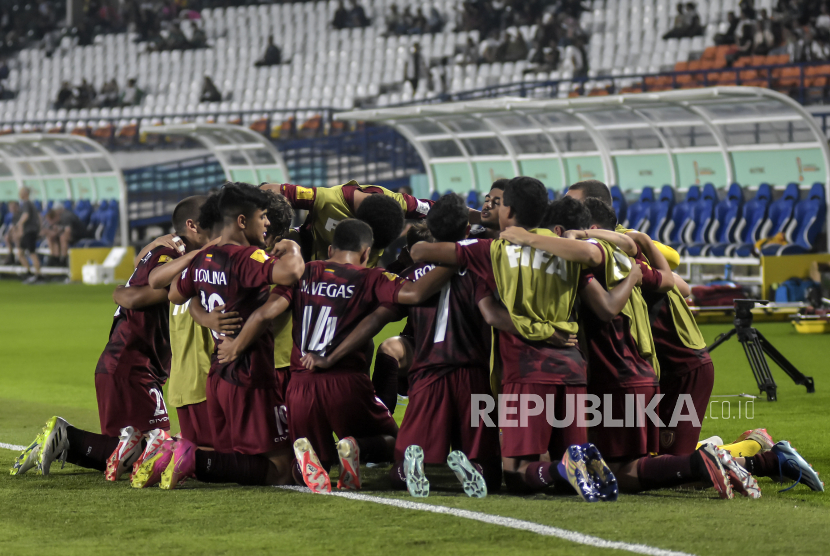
x=607 y=304
x=438 y=253
x=569 y=249
x=290 y=266
x=230 y=348
x=137 y=297
x=413 y=293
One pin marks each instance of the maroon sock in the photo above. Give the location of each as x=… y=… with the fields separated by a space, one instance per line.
x=88 y=449
x=375 y=449
x=243 y=469
x=397 y=476
x=764 y=464
x=385 y=380
x=667 y=471
x=540 y=475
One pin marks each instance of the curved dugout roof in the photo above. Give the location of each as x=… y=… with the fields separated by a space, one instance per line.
x=245 y=155
x=60 y=167
x=720 y=135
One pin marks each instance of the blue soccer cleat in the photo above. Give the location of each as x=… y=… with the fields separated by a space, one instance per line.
x=795 y=468
x=604 y=480
x=573 y=468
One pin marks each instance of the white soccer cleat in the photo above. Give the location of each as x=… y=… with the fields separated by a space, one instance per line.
x=349 y=454
x=125 y=454
x=740 y=479
x=55 y=444
x=716 y=440
x=471 y=480
x=314 y=476
x=413 y=468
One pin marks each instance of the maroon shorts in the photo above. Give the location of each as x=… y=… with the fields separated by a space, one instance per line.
x=130 y=400
x=283 y=375
x=246 y=420
x=438 y=416
x=683 y=438
x=621 y=442
x=538 y=436
x=194 y=422
x=341 y=403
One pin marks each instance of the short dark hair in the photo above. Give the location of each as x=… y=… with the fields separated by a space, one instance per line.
x=418 y=232
x=602 y=215
x=280 y=214
x=593 y=189
x=448 y=218
x=241 y=198
x=187 y=209
x=352 y=234
x=384 y=216
x=499 y=184
x=568 y=213
x=528 y=199
x=209 y=215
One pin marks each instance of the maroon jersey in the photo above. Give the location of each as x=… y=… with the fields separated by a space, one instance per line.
x=239 y=278
x=613 y=358
x=139 y=340
x=329 y=302
x=523 y=361
x=449 y=331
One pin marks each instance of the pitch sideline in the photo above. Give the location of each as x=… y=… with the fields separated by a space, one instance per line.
x=544 y=530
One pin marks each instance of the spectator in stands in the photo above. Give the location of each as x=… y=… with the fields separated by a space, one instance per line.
x=109 y=95
x=546 y=33
x=746 y=44
x=65 y=96
x=692 y=21
x=419 y=23
x=729 y=36
x=470 y=52
x=415 y=67
x=198 y=38
x=84 y=94
x=546 y=59
x=393 y=21
x=764 y=37
x=132 y=94
x=488 y=48
x=822 y=24
x=4 y=74
x=209 y=91
x=435 y=23
x=8 y=231
x=272 y=56
x=440 y=76
x=27 y=229
x=516 y=48
x=341 y=16
x=357 y=16
x=747 y=9
x=62 y=229
x=679 y=28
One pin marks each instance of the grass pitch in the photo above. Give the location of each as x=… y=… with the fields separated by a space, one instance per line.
x=52 y=336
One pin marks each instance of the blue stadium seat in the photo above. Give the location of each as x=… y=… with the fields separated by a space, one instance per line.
x=473 y=200
x=620 y=205
x=39 y=206
x=727 y=217
x=660 y=212
x=638 y=212
x=49 y=204
x=781 y=212
x=551 y=194
x=83 y=209
x=695 y=234
x=753 y=216
x=681 y=215
x=67 y=204
x=435 y=195
x=807 y=222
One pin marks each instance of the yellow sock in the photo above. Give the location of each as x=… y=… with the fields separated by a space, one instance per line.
x=742 y=449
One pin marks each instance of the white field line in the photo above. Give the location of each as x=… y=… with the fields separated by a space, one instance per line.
x=12 y=447
x=545 y=530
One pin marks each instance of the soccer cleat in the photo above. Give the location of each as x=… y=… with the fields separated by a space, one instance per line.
x=573 y=468
x=150 y=470
x=122 y=458
x=413 y=469
x=55 y=444
x=182 y=464
x=761 y=436
x=28 y=457
x=717 y=475
x=716 y=440
x=471 y=480
x=349 y=455
x=794 y=467
x=155 y=438
x=314 y=476
x=604 y=480
x=740 y=479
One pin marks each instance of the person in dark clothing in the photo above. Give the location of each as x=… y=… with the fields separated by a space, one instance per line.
x=62 y=229
x=27 y=229
x=64 y=96
x=357 y=16
x=729 y=36
x=341 y=16
x=272 y=56
x=209 y=91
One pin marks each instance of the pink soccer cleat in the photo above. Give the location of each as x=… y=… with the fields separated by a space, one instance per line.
x=182 y=465
x=150 y=470
x=314 y=476
x=349 y=455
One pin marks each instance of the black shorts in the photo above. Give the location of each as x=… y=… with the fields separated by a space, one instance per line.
x=28 y=242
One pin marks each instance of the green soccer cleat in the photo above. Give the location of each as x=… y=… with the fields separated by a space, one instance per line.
x=413 y=468
x=55 y=444
x=471 y=480
x=28 y=457
x=795 y=468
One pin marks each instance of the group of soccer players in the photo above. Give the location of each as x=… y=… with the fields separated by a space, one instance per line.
x=263 y=334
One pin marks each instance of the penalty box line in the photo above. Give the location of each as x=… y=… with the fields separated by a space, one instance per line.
x=544 y=530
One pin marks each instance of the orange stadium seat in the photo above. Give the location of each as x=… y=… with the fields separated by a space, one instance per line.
x=709 y=54
x=260 y=126
x=790 y=77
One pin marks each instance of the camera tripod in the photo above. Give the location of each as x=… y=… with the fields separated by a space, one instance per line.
x=755 y=346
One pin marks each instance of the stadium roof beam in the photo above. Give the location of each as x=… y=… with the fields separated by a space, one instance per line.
x=682 y=137
x=245 y=155
x=60 y=167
